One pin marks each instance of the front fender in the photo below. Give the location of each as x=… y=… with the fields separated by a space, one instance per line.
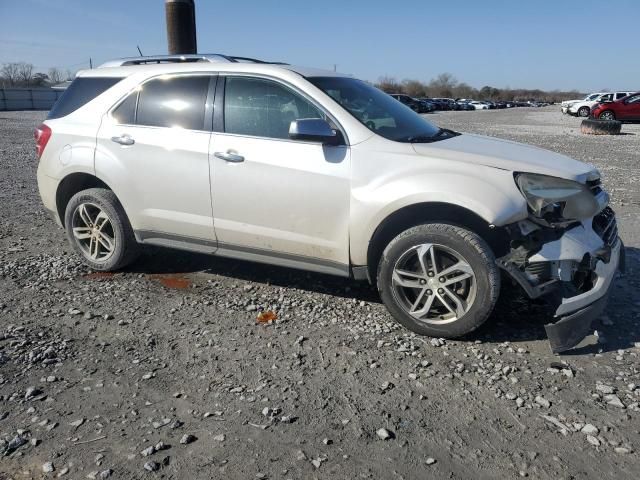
x=490 y=193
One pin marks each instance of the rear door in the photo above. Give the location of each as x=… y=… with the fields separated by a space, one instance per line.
x=152 y=149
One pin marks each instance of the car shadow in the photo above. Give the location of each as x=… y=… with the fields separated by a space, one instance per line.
x=515 y=318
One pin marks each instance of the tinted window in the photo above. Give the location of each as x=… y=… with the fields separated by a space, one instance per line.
x=262 y=108
x=634 y=99
x=174 y=102
x=126 y=111
x=81 y=91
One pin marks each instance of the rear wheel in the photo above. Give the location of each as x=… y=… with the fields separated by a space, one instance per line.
x=584 y=111
x=99 y=230
x=607 y=115
x=439 y=280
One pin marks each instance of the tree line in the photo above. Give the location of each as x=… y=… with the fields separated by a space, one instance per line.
x=22 y=74
x=446 y=85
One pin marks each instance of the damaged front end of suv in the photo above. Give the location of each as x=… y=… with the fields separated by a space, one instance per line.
x=567 y=251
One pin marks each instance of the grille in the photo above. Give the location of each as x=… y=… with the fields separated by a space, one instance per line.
x=604 y=224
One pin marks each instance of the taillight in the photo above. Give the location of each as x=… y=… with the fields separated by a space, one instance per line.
x=42 y=134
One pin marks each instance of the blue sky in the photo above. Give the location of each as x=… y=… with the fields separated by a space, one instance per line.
x=547 y=44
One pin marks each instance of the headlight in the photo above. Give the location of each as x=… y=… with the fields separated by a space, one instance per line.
x=556 y=199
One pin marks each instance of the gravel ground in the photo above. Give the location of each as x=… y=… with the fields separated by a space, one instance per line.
x=164 y=371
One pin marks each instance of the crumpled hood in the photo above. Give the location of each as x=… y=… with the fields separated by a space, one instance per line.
x=506 y=155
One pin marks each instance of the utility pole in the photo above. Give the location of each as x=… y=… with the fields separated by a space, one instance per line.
x=181 y=26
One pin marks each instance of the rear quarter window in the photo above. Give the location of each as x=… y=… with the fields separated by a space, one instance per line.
x=81 y=91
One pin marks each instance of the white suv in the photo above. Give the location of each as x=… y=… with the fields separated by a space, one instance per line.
x=583 y=108
x=319 y=171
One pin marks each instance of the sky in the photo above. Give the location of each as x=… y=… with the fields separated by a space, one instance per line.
x=585 y=45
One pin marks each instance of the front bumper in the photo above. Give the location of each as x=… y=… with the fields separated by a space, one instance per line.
x=573 y=270
x=573 y=325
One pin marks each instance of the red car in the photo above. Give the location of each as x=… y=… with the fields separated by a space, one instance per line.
x=626 y=109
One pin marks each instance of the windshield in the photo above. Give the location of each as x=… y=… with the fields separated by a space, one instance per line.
x=378 y=111
x=593 y=97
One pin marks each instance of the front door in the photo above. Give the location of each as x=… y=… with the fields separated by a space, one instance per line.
x=276 y=199
x=632 y=110
x=153 y=150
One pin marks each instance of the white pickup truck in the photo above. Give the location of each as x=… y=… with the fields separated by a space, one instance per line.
x=582 y=108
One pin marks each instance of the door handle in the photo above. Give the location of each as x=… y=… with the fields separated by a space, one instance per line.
x=229 y=157
x=124 y=139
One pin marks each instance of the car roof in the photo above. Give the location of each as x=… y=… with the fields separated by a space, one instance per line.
x=199 y=63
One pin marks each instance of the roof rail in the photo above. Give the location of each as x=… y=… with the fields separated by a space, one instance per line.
x=187 y=58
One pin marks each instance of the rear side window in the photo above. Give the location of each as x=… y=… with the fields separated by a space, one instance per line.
x=81 y=91
x=174 y=102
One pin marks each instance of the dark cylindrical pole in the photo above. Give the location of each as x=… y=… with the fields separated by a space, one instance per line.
x=181 y=26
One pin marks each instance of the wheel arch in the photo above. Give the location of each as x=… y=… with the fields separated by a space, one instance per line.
x=431 y=212
x=72 y=184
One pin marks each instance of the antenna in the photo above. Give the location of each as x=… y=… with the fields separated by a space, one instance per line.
x=139 y=51
x=90 y=63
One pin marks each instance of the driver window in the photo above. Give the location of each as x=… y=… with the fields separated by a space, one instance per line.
x=262 y=108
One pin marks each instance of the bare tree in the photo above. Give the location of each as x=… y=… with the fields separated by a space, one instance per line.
x=10 y=73
x=442 y=85
x=69 y=75
x=25 y=73
x=414 y=88
x=55 y=75
x=389 y=85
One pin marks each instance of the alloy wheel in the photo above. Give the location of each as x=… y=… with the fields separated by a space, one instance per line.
x=93 y=232
x=607 y=116
x=434 y=284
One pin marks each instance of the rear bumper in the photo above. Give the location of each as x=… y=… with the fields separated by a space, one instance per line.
x=47 y=187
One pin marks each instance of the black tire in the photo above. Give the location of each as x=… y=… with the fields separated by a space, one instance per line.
x=584 y=111
x=607 y=115
x=126 y=249
x=477 y=254
x=592 y=126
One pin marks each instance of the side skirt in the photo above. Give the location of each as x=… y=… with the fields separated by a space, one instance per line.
x=242 y=253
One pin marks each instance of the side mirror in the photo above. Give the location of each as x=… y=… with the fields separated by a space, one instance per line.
x=313 y=130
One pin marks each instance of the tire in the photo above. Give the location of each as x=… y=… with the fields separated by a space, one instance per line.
x=607 y=115
x=591 y=126
x=99 y=231
x=584 y=111
x=450 y=244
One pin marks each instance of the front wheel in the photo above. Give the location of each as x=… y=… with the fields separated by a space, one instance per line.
x=439 y=280
x=99 y=231
x=584 y=111
x=607 y=115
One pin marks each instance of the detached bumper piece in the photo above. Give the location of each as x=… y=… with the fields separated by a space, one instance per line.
x=570 y=330
x=567 y=332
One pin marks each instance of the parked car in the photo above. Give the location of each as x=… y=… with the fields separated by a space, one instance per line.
x=410 y=102
x=323 y=172
x=464 y=105
x=626 y=109
x=429 y=101
x=479 y=105
x=583 y=108
x=564 y=106
x=445 y=103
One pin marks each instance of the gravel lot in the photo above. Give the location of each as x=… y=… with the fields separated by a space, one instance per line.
x=163 y=370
